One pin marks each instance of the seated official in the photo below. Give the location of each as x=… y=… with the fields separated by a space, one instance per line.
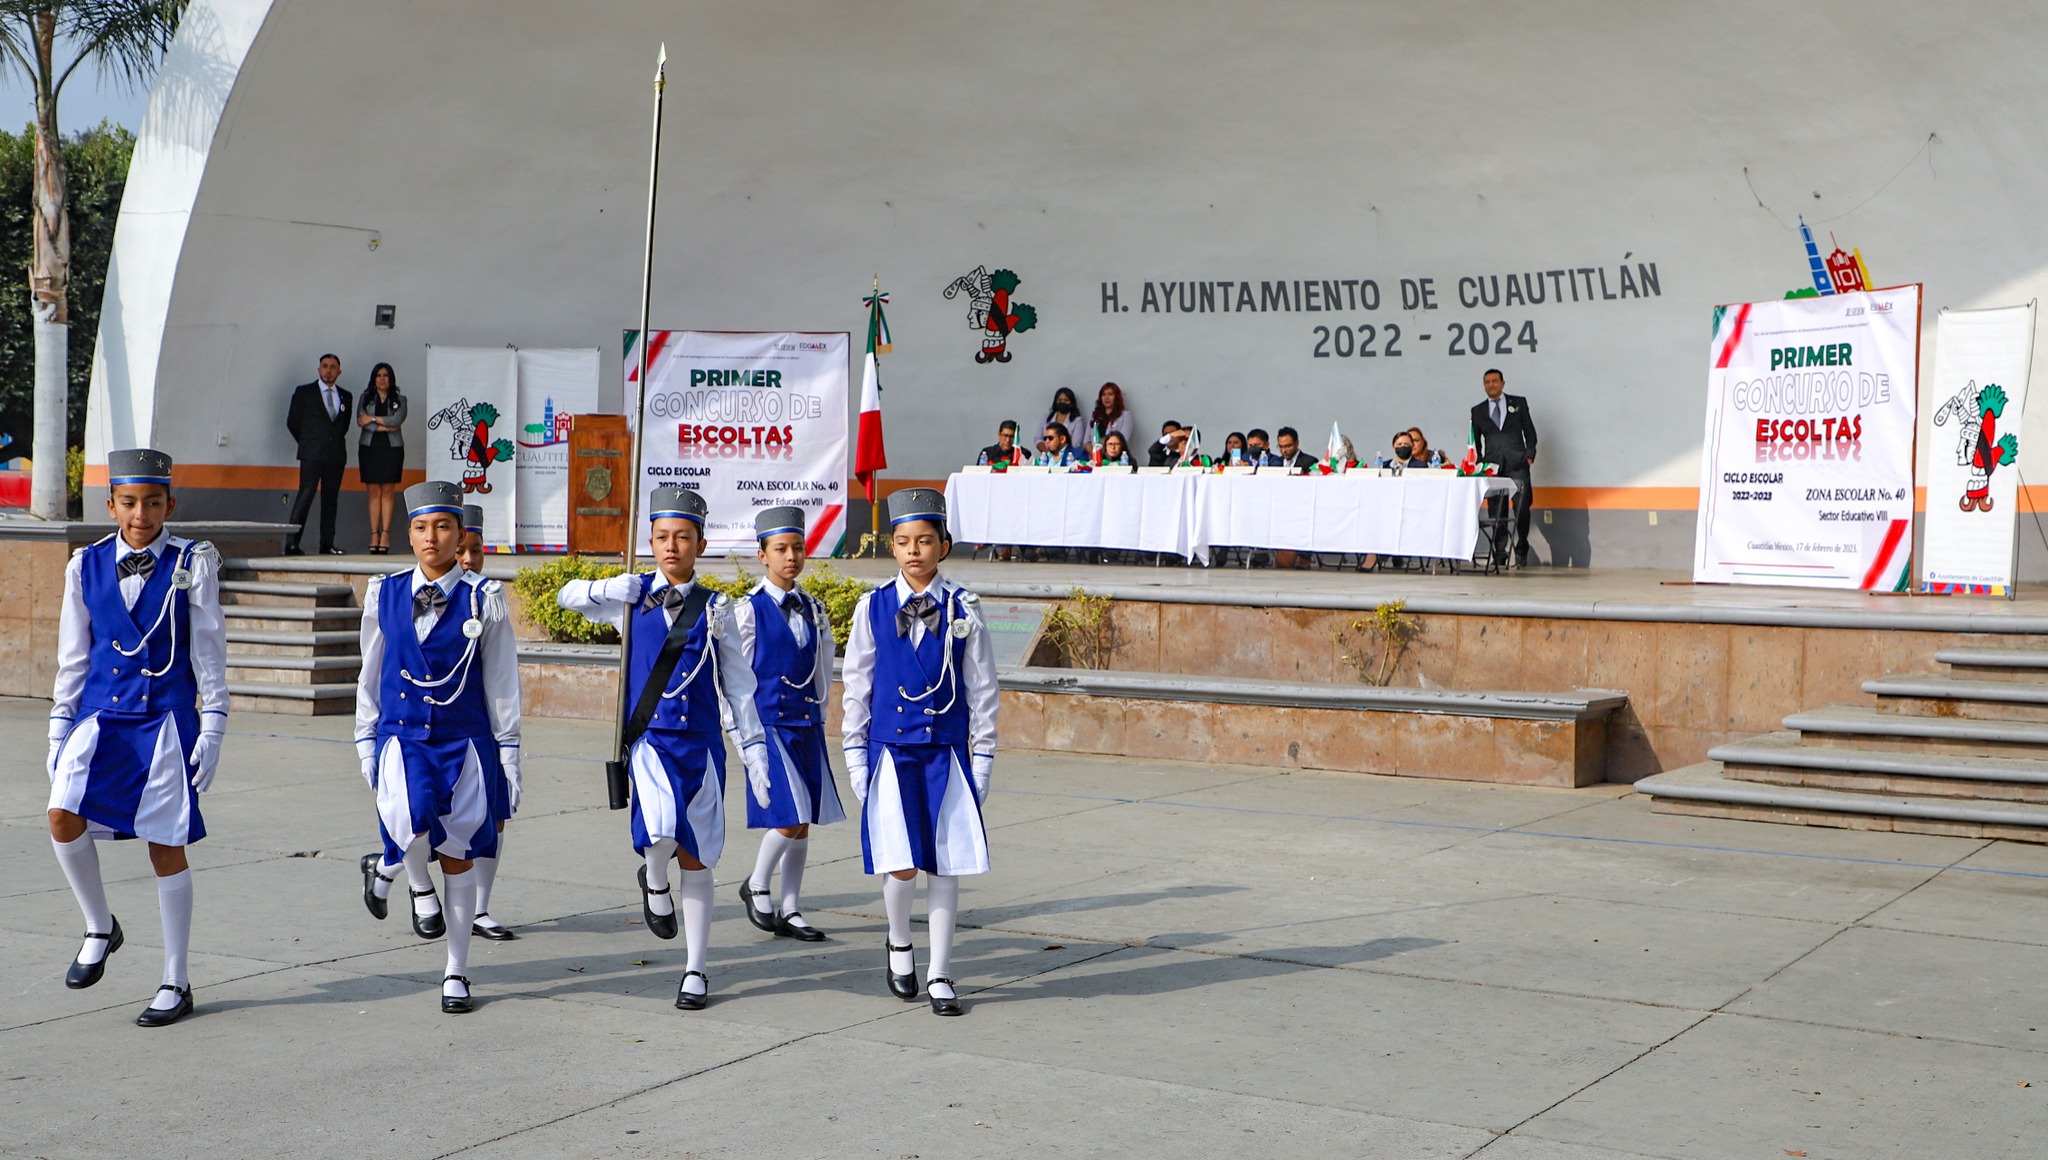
x=1233 y=449
x=1291 y=456
x=1004 y=451
x=1404 y=452
x=1056 y=449
x=1173 y=436
x=1258 y=448
x=1429 y=457
x=1114 y=452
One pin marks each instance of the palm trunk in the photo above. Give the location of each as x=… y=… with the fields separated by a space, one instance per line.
x=50 y=290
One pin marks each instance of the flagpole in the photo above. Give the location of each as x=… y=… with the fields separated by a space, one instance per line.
x=874 y=509
x=617 y=785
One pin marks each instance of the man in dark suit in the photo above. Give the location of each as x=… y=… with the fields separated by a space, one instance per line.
x=1167 y=451
x=320 y=419
x=1506 y=435
x=1288 y=443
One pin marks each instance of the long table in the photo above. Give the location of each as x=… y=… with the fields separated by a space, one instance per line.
x=1434 y=515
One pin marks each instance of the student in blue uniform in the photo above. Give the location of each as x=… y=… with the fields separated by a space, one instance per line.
x=919 y=726
x=686 y=673
x=788 y=636
x=471 y=557
x=137 y=715
x=437 y=713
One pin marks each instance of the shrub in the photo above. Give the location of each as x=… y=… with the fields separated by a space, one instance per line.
x=1080 y=630
x=537 y=586
x=839 y=592
x=1390 y=628
x=74 y=474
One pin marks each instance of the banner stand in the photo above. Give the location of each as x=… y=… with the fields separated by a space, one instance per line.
x=1983 y=360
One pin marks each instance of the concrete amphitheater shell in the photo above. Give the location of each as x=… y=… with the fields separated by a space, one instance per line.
x=1150 y=170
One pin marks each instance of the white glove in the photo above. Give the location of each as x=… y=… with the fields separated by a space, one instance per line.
x=623 y=588
x=978 y=768
x=59 y=730
x=857 y=773
x=205 y=759
x=755 y=758
x=370 y=772
x=508 y=757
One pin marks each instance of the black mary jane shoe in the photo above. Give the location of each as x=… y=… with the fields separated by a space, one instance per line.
x=685 y=1001
x=943 y=1006
x=904 y=987
x=497 y=932
x=763 y=921
x=83 y=975
x=456 y=1004
x=658 y=925
x=431 y=926
x=784 y=928
x=379 y=908
x=153 y=1017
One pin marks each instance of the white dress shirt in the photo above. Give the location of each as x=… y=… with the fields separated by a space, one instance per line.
x=738 y=713
x=803 y=626
x=208 y=646
x=977 y=672
x=496 y=662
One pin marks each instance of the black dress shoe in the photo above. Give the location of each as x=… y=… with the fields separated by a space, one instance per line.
x=806 y=933
x=762 y=921
x=333 y=552
x=294 y=550
x=455 y=1004
x=430 y=926
x=83 y=975
x=686 y=1001
x=379 y=908
x=942 y=1006
x=494 y=932
x=658 y=925
x=152 y=1017
x=904 y=987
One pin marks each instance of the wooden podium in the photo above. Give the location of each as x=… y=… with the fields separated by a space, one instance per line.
x=600 y=471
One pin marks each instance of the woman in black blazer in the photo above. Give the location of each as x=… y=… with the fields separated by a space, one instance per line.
x=381 y=457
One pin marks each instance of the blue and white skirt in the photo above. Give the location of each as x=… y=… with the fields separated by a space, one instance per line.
x=921 y=813
x=436 y=788
x=679 y=793
x=800 y=787
x=131 y=777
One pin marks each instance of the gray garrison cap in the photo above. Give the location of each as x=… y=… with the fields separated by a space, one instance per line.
x=917 y=503
x=777 y=520
x=432 y=497
x=138 y=465
x=472 y=518
x=670 y=502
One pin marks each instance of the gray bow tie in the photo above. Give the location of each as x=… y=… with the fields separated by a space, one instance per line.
x=137 y=564
x=429 y=598
x=919 y=607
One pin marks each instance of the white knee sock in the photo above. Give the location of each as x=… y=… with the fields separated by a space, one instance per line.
x=417 y=856
x=658 y=857
x=898 y=895
x=793 y=858
x=486 y=877
x=80 y=860
x=941 y=901
x=696 y=891
x=461 y=892
x=381 y=887
x=773 y=844
x=174 y=905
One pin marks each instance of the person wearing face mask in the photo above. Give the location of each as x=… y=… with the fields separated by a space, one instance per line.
x=1404 y=452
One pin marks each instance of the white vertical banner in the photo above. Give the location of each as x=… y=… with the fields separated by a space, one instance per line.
x=1982 y=359
x=554 y=385
x=473 y=404
x=748 y=421
x=1807 y=475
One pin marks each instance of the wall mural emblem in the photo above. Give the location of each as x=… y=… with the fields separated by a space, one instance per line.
x=992 y=311
x=471 y=444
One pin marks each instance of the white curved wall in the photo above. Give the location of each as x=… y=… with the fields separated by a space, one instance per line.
x=496 y=151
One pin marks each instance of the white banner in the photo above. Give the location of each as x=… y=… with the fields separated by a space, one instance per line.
x=553 y=385
x=749 y=420
x=1807 y=477
x=1982 y=359
x=473 y=406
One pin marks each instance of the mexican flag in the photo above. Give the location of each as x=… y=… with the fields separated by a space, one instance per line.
x=869 y=455
x=1334 y=459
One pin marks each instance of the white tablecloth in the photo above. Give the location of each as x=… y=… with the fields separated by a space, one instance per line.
x=1410 y=515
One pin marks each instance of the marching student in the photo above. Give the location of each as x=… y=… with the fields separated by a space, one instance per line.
x=437 y=713
x=919 y=728
x=788 y=636
x=137 y=715
x=685 y=671
x=471 y=557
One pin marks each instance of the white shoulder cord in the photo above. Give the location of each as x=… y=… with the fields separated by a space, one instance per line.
x=170 y=595
x=946 y=643
x=816 y=641
x=709 y=654
x=461 y=668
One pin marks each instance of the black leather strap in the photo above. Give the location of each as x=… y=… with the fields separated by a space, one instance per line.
x=664 y=665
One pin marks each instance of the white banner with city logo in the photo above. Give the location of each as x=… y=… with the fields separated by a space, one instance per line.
x=1981 y=362
x=498 y=425
x=748 y=420
x=1807 y=476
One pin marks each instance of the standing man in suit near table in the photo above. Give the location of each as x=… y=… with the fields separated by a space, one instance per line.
x=1506 y=435
x=321 y=416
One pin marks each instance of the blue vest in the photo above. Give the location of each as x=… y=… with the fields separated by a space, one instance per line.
x=784 y=671
x=129 y=646
x=902 y=714
x=410 y=699
x=695 y=710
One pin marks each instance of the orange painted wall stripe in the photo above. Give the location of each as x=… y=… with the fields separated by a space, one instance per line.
x=235 y=476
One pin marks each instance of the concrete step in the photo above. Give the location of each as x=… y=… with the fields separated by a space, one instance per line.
x=270 y=592
x=291 y=619
x=1703 y=790
x=1856 y=727
x=1996 y=664
x=292 y=670
x=1780 y=759
x=1961 y=697
x=255 y=642
x=320 y=700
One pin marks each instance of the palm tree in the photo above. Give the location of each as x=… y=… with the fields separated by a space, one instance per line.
x=125 y=40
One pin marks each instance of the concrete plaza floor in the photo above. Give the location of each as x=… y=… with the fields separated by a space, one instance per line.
x=1170 y=959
